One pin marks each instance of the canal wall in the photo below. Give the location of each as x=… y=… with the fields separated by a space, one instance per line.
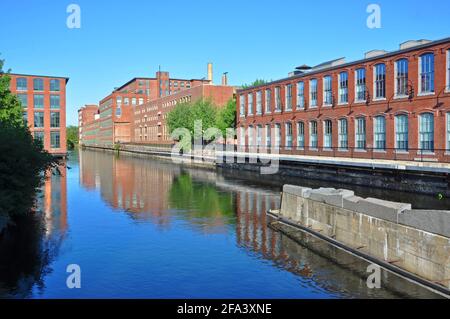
x=417 y=241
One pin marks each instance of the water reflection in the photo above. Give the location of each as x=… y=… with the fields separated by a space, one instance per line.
x=28 y=247
x=163 y=194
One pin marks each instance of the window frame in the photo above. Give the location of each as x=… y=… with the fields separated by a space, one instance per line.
x=54 y=81
x=52 y=134
x=397 y=133
x=421 y=74
x=342 y=89
x=327 y=134
x=358 y=133
x=25 y=80
x=399 y=79
x=313 y=93
x=341 y=145
x=300 y=95
x=327 y=90
x=359 y=83
x=268 y=100
x=38 y=80
x=250 y=103
x=300 y=129
x=242 y=105
x=313 y=125
x=377 y=134
x=379 y=81
x=258 y=102
x=423 y=150
x=288 y=137
x=288 y=97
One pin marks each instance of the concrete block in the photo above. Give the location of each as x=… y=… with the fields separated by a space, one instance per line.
x=331 y=196
x=382 y=209
x=432 y=221
x=297 y=190
x=351 y=203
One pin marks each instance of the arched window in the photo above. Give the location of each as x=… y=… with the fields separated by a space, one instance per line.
x=300 y=135
x=380 y=81
x=379 y=133
x=38 y=84
x=426 y=132
x=401 y=132
x=401 y=77
x=426 y=72
x=360 y=133
x=313 y=140
x=343 y=134
x=327 y=134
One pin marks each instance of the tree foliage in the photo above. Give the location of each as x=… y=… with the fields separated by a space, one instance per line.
x=22 y=159
x=254 y=83
x=226 y=117
x=72 y=136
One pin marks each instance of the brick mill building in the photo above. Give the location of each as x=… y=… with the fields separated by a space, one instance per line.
x=150 y=125
x=43 y=99
x=115 y=118
x=389 y=105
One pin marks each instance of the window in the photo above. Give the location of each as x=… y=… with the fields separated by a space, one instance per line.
x=426 y=132
x=119 y=100
x=288 y=127
x=39 y=136
x=448 y=131
x=38 y=101
x=379 y=131
x=401 y=132
x=141 y=101
x=242 y=105
x=300 y=135
x=250 y=103
x=313 y=92
x=448 y=70
x=360 y=133
x=55 y=140
x=38 y=84
x=268 y=99
x=54 y=119
x=360 y=75
x=39 y=119
x=23 y=98
x=328 y=134
x=268 y=136
x=288 y=97
x=313 y=141
x=258 y=103
x=25 y=118
x=54 y=101
x=118 y=111
x=426 y=71
x=380 y=81
x=401 y=77
x=251 y=143
x=277 y=99
x=21 y=84
x=327 y=91
x=277 y=135
x=133 y=100
x=242 y=135
x=343 y=87
x=54 y=85
x=259 y=135
x=343 y=134
x=126 y=101
x=300 y=95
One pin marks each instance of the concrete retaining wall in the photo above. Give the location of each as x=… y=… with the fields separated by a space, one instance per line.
x=415 y=240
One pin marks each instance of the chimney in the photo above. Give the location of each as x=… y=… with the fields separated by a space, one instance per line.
x=225 y=79
x=210 y=73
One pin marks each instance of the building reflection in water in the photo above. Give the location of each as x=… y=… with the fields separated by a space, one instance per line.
x=164 y=193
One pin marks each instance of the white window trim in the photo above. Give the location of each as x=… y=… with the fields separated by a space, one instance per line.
x=310 y=105
x=265 y=101
x=242 y=103
x=419 y=149
x=396 y=96
x=339 y=88
x=327 y=148
x=357 y=149
x=260 y=111
x=323 y=91
x=374 y=72
x=374 y=126
x=298 y=106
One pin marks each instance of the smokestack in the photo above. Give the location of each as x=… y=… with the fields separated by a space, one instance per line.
x=225 y=79
x=210 y=73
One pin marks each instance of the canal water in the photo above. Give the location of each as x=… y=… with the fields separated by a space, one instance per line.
x=146 y=228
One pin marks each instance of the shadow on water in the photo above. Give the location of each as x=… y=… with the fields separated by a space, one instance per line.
x=31 y=243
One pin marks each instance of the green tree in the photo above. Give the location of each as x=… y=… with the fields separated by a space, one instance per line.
x=11 y=110
x=72 y=136
x=226 y=116
x=254 y=83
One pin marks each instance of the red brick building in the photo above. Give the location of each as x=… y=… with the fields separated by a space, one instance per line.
x=150 y=119
x=87 y=122
x=44 y=108
x=116 y=111
x=389 y=105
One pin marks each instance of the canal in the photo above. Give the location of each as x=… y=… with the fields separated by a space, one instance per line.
x=147 y=228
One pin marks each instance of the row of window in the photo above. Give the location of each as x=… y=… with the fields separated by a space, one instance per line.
x=38 y=101
x=55 y=138
x=426 y=134
x=402 y=83
x=126 y=101
x=39 y=119
x=38 y=84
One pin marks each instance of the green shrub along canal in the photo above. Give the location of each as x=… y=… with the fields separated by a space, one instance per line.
x=143 y=228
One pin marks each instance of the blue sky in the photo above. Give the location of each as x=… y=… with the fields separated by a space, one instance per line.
x=250 y=39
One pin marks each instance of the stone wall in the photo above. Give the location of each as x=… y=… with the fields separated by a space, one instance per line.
x=417 y=241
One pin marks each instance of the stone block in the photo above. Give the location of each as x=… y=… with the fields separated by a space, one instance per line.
x=351 y=203
x=297 y=190
x=381 y=209
x=331 y=196
x=432 y=221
